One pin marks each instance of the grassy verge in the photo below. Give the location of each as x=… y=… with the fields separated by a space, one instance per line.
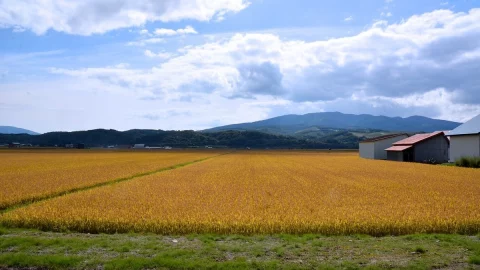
x=35 y=249
x=469 y=162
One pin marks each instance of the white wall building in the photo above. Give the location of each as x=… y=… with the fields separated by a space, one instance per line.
x=374 y=148
x=465 y=140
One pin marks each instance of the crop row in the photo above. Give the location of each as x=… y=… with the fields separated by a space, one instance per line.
x=29 y=175
x=273 y=192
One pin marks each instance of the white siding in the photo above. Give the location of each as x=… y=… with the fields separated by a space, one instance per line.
x=464 y=146
x=376 y=150
x=380 y=146
x=367 y=150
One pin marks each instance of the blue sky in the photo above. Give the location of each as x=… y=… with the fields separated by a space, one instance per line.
x=195 y=64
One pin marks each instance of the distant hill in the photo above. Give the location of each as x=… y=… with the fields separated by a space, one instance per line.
x=180 y=139
x=326 y=123
x=15 y=130
x=315 y=130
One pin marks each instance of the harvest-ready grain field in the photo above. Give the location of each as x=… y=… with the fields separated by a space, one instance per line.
x=26 y=175
x=249 y=192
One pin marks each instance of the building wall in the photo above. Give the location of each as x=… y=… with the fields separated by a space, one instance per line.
x=435 y=148
x=464 y=145
x=367 y=150
x=380 y=146
x=376 y=150
x=395 y=155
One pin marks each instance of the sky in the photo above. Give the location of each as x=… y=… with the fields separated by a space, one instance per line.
x=195 y=64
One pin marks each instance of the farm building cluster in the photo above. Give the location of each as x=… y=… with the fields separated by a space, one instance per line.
x=435 y=147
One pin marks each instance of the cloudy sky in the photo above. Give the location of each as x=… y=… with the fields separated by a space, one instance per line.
x=194 y=64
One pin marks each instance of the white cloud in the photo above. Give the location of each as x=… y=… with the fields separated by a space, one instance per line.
x=18 y=29
x=349 y=18
x=426 y=52
x=100 y=16
x=444 y=3
x=143 y=42
x=87 y=100
x=386 y=14
x=171 y=32
x=161 y=55
x=424 y=65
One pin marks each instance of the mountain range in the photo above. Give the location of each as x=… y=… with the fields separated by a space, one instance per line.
x=16 y=130
x=314 y=130
x=333 y=121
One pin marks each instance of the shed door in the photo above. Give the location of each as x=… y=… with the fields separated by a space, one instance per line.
x=408 y=154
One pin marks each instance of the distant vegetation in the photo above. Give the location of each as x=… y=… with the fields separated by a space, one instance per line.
x=184 y=139
x=310 y=131
x=469 y=162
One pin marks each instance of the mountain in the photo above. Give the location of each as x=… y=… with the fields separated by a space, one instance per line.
x=314 y=130
x=15 y=130
x=181 y=139
x=328 y=122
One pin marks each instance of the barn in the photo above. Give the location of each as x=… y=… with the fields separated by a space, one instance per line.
x=374 y=148
x=465 y=140
x=428 y=147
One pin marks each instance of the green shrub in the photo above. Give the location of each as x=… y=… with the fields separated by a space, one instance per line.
x=474 y=260
x=469 y=162
x=420 y=250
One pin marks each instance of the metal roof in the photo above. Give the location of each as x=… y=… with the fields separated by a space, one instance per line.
x=418 y=138
x=398 y=148
x=384 y=137
x=472 y=126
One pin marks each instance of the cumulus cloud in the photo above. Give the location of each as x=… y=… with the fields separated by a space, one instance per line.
x=146 y=41
x=260 y=79
x=171 y=32
x=161 y=55
x=388 y=66
x=100 y=16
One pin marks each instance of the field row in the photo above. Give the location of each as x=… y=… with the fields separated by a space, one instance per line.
x=29 y=175
x=273 y=192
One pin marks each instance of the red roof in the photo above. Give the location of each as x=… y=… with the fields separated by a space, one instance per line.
x=398 y=148
x=384 y=137
x=418 y=138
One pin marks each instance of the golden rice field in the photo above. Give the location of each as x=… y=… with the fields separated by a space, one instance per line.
x=273 y=192
x=26 y=175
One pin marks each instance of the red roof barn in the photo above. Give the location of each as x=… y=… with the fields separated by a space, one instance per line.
x=428 y=147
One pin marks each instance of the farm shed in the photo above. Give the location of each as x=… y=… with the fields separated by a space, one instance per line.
x=374 y=148
x=14 y=145
x=431 y=147
x=465 y=140
x=139 y=145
